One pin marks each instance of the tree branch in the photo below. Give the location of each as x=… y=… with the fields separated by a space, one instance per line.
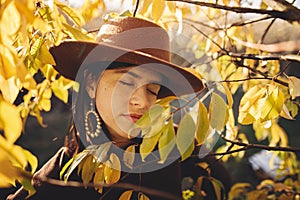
x=129 y=186
x=290 y=14
x=259 y=146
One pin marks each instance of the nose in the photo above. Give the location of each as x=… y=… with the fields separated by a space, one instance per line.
x=140 y=99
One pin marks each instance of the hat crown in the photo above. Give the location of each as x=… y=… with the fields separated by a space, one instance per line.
x=136 y=34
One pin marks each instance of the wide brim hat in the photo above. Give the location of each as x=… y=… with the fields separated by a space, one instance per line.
x=128 y=40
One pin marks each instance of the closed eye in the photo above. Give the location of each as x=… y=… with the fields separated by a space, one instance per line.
x=126 y=83
x=151 y=92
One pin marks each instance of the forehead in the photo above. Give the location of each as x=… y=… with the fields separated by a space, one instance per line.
x=143 y=73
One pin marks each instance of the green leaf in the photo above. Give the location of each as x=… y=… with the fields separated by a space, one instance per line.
x=166 y=141
x=151 y=122
x=218 y=112
x=148 y=145
x=185 y=136
x=202 y=125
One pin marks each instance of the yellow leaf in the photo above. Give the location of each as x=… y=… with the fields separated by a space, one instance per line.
x=172 y=6
x=41 y=25
x=218 y=112
x=228 y=95
x=185 y=136
x=145 y=6
x=10 y=121
x=218 y=187
x=59 y=90
x=126 y=195
x=99 y=178
x=129 y=156
x=45 y=56
x=25 y=77
x=238 y=189
x=76 y=34
x=158 y=8
x=143 y=196
x=166 y=101
x=251 y=105
x=294 y=88
x=9 y=62
x=285 y=112
x=25 y=11
x=9 y=88
x=112 y=170
x=88 y=169
x=273 y=104
x=202 y=125
x=166 y=141
x=10 y=19
x=45 y=104
x=70 y=12
x=148 y=144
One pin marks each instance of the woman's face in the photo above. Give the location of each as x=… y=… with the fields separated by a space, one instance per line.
x=123 y=95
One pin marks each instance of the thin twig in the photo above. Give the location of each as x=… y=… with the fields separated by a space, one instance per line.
x=292 y=14
x=136 y=7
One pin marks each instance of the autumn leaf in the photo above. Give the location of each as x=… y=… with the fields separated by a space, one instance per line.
x=12 y=128
x=166 y=141
x=218 y=112
x=112 y=169
x=185 y=136
x=202 y=125
x=294 y=89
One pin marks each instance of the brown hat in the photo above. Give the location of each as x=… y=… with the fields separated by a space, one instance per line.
x=129 y=40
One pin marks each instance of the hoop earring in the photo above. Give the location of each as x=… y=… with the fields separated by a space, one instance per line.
x=92 y=111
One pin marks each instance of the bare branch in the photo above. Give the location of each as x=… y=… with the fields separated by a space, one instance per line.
x=147 y=190
x=259 y=146
x=290 y=14
x=136 y=7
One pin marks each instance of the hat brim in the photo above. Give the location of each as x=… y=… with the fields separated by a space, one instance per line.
x=69 y=56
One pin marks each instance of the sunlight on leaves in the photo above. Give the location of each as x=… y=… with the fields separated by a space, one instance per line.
x=166 y=141
x=126 y=195
x=129 y=156
x=218 y=112
x=185 y=136
x=294 y=88
x=202 y=125
x=112 y=169
x=12 y=128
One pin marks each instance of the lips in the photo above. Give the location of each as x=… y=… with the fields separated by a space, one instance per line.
x=133 y=117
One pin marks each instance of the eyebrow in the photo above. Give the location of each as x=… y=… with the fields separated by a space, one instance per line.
x=123 y=71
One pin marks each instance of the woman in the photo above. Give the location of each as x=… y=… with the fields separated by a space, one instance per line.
x=121 y=76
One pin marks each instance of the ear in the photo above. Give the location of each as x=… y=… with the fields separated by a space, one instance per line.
x=90 y=85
